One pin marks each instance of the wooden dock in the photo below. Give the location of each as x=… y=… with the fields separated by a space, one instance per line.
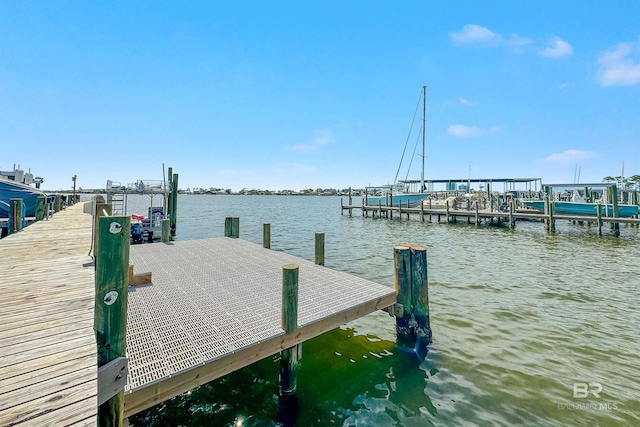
x=48 y=374
x=213 y=306
x=478 y=216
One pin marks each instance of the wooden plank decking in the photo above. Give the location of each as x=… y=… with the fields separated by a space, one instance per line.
x=48 y=374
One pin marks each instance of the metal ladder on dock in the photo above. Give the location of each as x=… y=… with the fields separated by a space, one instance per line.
x=117 y=198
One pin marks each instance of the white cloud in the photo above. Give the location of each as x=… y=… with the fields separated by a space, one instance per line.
x=462 y=131
x=472 y=33
x=558 y=49
x=564 y=86
x=464 y=101
x=321 y=137
x=515 y=42
x=618 y=67
x=569 y=156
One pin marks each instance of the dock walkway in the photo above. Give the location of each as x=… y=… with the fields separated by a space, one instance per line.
x=214 y=306
x=48 y=373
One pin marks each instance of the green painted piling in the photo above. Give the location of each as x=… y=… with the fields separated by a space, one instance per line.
x=110 y=310
x=16 y=216
x=232 y=227
x=289 y=323
x=41 y=208
x=319 y=248
x=166 y=230
x=266 y=235
x=102 y=209
x=57 y=205
x=402 y=284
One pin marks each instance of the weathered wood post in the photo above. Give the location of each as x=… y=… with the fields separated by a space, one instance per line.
x=448 y=218
x=174 y=216
x=166 y=230
x=319 y=248
x=16 y=216
x=41 y=206
x=266 y=235
x=232 y=227
x=170 y=196
x=413 y=327
x=511 y=209
x=289 y=322
x=552 y=221
x=614 y=202
x=110 y=322
x=599 y=216
x=57 y=207
x=420 y=299
x=422 y=210
x=477 y=213
x=402 y=284
x=350 y=203
x=341 y=207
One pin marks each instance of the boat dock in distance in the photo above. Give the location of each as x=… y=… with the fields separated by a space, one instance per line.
x=199 y=310
x=579 y=203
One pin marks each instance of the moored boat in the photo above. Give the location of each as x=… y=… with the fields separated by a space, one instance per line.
x=13 y=186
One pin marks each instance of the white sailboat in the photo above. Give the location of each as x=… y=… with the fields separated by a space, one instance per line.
x=398 y=193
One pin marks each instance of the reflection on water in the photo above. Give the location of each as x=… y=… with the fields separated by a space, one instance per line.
x=518 y=318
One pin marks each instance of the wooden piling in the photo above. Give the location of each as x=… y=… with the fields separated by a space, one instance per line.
x=552 y=221
x=478 y=212
x=166 y=230
x=614 y=202
x=266 y=235
x=511 y=209
x=57 y=206
x=16 y=216
x=422 y=210
x=232 y=227
x=402 y=284
x=448 y=218
x=41 y=208
x=174 y=203
x=599 y=220
x=110 y=324
x=319 y=248
x=420 y=299
x=289 y=323
x=102 y=209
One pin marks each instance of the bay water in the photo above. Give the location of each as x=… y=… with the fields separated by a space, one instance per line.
x=529 y=327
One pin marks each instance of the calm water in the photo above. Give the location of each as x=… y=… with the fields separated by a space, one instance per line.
x=518 y=318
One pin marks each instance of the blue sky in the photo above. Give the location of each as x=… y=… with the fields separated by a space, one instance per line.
x=293 y=95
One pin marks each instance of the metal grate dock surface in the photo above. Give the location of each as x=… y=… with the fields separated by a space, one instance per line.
x=214 y=298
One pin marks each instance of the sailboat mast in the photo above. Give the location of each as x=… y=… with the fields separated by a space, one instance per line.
x=424 y=131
